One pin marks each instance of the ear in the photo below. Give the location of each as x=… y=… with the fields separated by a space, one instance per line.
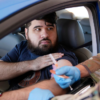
x=26 y=33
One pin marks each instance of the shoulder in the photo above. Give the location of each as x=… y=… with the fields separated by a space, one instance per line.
x=64 y=49
x=22 y=44
x=68 y=55
x=19 y=48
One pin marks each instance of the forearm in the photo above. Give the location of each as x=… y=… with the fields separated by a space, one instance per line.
x=93 y=64
x=11 y=70
x=47 y=84
x=83 y=70
x=22 y=94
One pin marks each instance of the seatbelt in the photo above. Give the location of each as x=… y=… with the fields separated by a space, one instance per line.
x=84 y=45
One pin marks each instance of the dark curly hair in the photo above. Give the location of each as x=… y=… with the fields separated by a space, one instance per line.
x=51 y=18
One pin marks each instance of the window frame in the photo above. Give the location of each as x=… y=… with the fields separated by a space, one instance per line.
x=28 y=16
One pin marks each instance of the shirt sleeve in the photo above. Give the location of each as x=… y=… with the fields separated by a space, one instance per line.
x=70 y=56
x=12 y=56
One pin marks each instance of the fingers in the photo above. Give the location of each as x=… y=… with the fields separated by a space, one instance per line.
x=57 y=55
x=44 y=61
x=40 y=94
x=63 y=70
x=48 y=61
x=72 y=72
x=63 y=83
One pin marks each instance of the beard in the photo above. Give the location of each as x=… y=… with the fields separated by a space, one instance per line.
x=42 y=49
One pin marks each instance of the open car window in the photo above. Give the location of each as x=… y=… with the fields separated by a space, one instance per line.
x=81 y=15
x=72 y=13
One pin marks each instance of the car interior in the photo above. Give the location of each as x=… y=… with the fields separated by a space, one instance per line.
x=73 y=33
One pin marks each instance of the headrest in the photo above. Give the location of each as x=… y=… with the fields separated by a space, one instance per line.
x=8 y=42
x=70 y=33
x=66 y=15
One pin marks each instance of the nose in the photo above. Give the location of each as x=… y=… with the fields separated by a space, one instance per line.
x=44 y=34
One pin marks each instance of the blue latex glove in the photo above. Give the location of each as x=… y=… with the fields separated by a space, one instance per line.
x=72 y=72
x=40 y=94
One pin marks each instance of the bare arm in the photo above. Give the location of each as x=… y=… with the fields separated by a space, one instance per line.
x=64 y=62
x=22 y=94
x=11 y=70
x=83 y=70
x=92 y=64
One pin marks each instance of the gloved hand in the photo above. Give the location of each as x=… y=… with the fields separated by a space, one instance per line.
x=40 y=94
x=72 y=72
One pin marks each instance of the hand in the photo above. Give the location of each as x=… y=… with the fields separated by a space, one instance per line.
x=71 y=71
x=40 y=94
x=44 y=61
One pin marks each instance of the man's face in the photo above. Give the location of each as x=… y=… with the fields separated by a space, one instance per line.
x=41 y=36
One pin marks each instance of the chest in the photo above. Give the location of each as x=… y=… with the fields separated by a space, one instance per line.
x=27 y=55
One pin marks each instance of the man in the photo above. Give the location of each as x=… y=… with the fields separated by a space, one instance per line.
x=29 y=61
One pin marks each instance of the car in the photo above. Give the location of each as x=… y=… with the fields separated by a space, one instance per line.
x=80 y=35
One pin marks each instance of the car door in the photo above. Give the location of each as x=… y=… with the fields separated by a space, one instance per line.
x=16 y=13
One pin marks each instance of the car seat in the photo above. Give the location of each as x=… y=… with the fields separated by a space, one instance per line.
x=87 y=31
x=6 y=44
x=71 y=36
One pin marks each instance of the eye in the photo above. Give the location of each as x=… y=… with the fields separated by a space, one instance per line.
x=50 y=28
x=37 y=29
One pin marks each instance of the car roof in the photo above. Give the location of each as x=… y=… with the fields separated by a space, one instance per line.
x=8 y=7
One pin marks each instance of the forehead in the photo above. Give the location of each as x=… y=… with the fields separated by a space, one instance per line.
x=39 y=23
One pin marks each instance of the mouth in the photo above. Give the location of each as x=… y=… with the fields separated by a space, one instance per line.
x=45 y=42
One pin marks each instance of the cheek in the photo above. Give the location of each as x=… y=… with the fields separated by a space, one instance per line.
x=34 y=39
x=54 y=38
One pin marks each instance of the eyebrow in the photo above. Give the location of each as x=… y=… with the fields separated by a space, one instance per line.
x=37 y=26
x=42 y=26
